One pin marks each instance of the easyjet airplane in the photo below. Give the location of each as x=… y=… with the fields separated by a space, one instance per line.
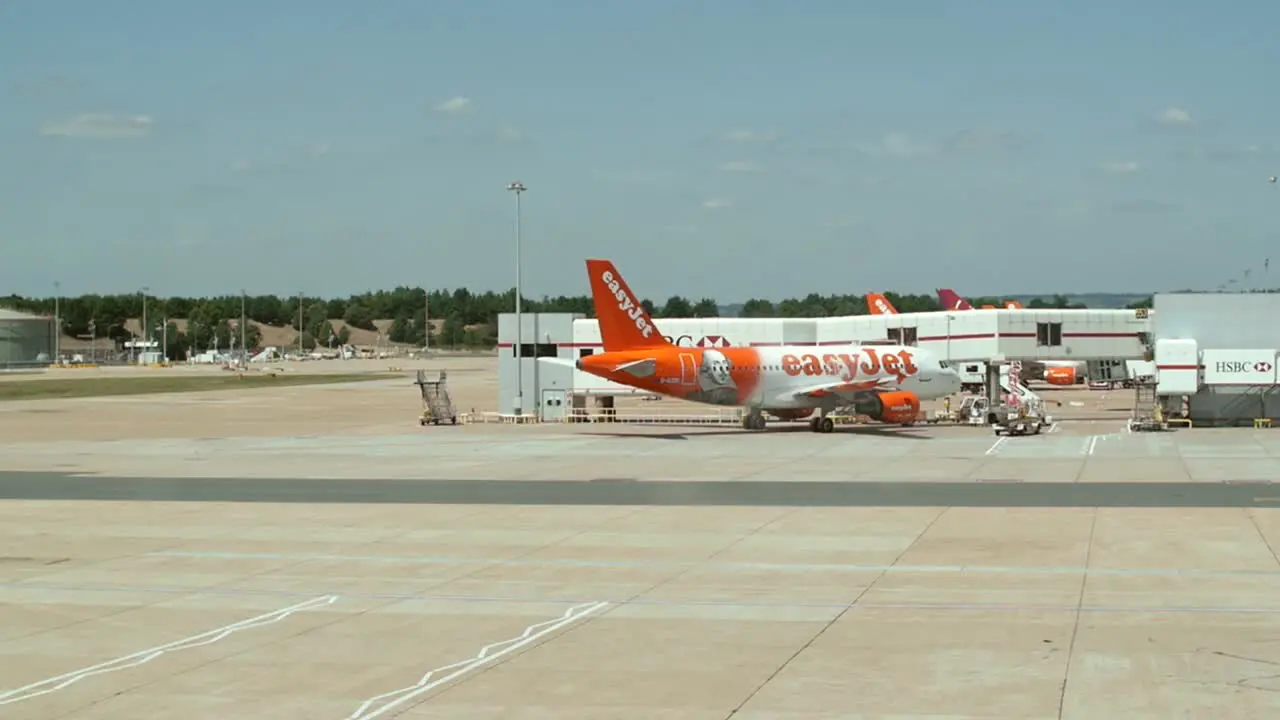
x=884 y=382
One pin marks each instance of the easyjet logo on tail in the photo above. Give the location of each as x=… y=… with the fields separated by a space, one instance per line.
x=846 y=366
x=628 y=305
x=878 y=304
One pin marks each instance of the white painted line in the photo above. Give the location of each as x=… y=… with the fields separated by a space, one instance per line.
x=1055 y=428
x=995 y=446
x=53 y=684
x=530 y=635
x=1089 y=444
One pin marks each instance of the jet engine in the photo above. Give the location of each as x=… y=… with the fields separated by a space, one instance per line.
x=1060 y=375
x=798 y=414
x=896 y=407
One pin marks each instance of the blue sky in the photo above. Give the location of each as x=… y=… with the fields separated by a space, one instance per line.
x=716 y=148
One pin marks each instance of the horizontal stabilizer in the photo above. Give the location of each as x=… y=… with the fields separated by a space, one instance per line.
x=639 y=368
x=559 y=361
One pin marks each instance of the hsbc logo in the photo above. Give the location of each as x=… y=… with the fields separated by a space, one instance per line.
x=708 y=341
x=1238 y=366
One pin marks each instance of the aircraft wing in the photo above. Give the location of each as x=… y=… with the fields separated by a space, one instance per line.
x=842 y=387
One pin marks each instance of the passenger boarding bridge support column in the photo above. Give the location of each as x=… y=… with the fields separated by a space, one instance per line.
x=993 y=391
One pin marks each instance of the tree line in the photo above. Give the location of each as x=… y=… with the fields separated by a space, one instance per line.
x=469 y=318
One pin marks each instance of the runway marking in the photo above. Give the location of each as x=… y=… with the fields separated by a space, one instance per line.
x=531 y=634
x=1054 y=428
x=1089 y=445
x=995 y=446
x=797 y=567
x=53 y=684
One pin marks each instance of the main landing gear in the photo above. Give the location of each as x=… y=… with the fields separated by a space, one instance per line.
x=822 y=424
x=753 y=420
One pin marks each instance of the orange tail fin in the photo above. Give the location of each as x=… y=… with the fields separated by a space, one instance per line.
x=878 y=304
x=624 y=324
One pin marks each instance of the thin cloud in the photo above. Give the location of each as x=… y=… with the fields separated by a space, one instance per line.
x=512 y=135
x=680 y=229
x=896 y=144
x=455 y=105
x=741 y=166
x=99 y=126
x=1174 y=116
x=717 y=204
x=749 y=136
x=983 y=140
x=1125 y=167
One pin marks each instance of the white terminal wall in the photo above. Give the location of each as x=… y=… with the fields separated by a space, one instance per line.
x=1242 y=324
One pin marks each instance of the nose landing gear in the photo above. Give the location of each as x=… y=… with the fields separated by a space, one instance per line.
x=754 y=420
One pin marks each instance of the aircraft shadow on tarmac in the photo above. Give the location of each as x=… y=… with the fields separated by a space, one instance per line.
x=897 y=433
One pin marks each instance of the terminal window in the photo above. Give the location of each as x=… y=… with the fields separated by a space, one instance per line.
x=1048 y=334
x=536 y=350
x=902 y=336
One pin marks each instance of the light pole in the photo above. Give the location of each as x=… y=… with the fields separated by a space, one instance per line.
x=244 y=349
x=146 y=331
x=299 y=324
x=426 y=321
x=57 y=321
x=518 y=188
x=950 y=317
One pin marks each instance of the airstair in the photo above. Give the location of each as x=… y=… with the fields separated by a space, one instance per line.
x=437 y=406
x=1147 y=415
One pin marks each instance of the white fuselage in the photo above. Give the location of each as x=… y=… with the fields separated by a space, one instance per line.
x=783 y=374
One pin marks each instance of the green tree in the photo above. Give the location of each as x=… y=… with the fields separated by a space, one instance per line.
x=401 y=330
x=706 y=308
x=757 y=308
x=677 y=307
x=359 y=316
x=453 y=332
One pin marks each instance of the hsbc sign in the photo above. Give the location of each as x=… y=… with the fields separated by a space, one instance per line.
x=704 y=341
x=1239 y=367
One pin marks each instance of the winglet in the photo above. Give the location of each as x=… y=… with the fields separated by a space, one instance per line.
x=878 y=304
x=624 y=324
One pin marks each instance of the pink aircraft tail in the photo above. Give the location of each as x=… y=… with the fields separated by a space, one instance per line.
x=952 y=301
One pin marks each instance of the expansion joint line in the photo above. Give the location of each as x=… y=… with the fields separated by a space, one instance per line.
x=53 y=684
x=487 y=654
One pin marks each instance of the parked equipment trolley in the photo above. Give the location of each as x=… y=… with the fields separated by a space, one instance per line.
x=437 y=406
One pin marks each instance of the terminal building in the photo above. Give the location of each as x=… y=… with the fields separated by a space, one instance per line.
x=991 y=337
x=1215 y=356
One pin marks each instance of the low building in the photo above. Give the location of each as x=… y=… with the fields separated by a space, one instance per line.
x=25 y=340
x=1216 y=356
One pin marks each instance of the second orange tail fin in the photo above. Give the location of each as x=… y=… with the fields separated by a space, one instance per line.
x=878 y=304
x=624 y=324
